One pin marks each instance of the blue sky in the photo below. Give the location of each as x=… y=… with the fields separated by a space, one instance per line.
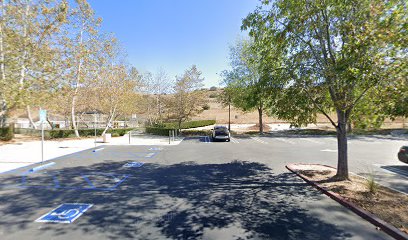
x=174 y=34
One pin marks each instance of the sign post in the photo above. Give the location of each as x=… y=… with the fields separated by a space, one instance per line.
x=43 y=118
x=95 y=119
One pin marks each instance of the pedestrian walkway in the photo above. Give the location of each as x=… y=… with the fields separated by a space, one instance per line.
x=18 y=155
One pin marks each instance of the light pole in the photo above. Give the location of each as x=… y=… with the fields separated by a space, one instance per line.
x=229 y=113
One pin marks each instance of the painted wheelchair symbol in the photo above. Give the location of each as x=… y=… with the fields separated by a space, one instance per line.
x=67 y=214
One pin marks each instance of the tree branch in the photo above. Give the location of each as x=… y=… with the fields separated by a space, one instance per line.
x=319 y=108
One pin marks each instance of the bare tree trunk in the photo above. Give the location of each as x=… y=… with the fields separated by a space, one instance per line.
x=30 y=119
x=74 y=123
x=78 y=77
x=342 y=162
x=50 y=123
x=260 y=113
x=110 y=120
x=349 y=127
x=24 y=57
x=3 y=106
x=179 y=123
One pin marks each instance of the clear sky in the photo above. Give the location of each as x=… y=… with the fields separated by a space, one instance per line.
x=174 y=34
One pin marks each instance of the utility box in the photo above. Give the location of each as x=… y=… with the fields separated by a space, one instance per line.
x=107 y=137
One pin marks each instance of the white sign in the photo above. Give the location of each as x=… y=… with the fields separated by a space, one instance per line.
x=43 y=115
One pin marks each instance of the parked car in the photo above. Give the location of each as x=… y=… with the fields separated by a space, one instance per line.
x=221 y=133
x=403 y=154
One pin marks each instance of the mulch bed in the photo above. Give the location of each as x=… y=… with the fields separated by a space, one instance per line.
x=389 y=205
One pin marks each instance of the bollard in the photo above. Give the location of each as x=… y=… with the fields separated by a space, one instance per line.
x=130 y=133
x=169 y=136
x=173 y=133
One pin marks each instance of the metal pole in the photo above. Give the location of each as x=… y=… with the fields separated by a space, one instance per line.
x=95 y=128
x=130 y=132
x=42 y=141
x=229 y=113
x=172 y=131
x=169 y=136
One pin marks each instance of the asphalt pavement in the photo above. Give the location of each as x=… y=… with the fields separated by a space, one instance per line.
x=196 y=190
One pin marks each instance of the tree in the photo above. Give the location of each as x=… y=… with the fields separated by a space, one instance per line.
x=28 y=30
x=188 y=99
x=157 y=86
x=79 y=46
x=245 y=85
x=338 y=51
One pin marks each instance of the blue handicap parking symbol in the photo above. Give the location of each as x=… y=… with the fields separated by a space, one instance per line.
x=133 y=165
x=65 y=213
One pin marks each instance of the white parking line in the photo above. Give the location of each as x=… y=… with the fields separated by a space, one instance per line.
x=234 y=140
x=285 y=140
x=207 y=139
x=328 y=150
x=98 y=149
x=259 y=140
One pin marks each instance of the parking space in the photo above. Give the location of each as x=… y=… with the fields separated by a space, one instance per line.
x=195 y=190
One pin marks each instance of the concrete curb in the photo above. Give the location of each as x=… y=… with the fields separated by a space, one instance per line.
x=384 y=226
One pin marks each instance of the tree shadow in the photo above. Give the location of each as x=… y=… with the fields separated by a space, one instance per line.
x=237 y=200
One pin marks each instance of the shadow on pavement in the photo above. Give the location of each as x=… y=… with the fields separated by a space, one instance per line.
x=398 y=169
x=237 y=200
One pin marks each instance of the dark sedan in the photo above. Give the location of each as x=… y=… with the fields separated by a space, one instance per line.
x=221 y=133
x=403 y=154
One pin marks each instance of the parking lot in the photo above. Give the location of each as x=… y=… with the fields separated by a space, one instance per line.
x=196 y=190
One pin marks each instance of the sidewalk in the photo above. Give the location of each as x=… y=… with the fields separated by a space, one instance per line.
x=20 y=154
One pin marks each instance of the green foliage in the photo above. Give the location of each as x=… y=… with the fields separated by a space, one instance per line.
x=159 y=130
x=6 y=133
x=335 y=53
x=334 y=56
x=188 y=99
x=371 y=184
x=213 y=95
x=196 y=133
x=186 y=125
x=69 y=133
x=164 y=128
x=115 y=134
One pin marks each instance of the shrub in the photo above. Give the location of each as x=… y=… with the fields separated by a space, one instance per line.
x=371 y=184
x=7 y=133
x=115 y=134
x=69 y=133
x=186 y=125
x=213 y=95
x=158 y=130
x=213 y=88
x=206 y=107
x=196 y=132
x=59 y=133
x=120 y=131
